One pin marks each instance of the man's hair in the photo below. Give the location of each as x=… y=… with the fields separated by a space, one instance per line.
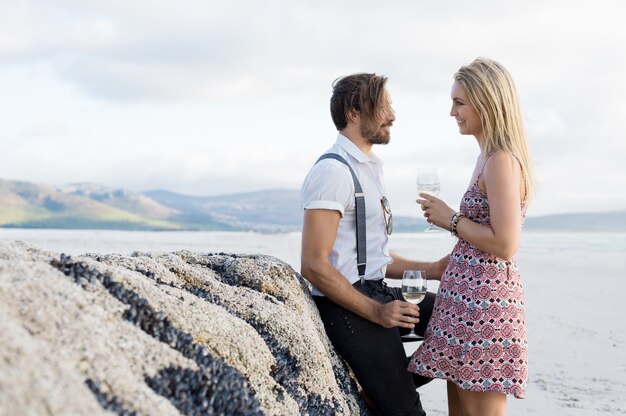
x=362 y=93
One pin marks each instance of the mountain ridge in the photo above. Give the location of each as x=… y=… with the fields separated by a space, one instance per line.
x=87 y=205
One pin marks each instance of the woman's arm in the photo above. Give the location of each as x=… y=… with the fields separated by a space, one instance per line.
x=502 y=179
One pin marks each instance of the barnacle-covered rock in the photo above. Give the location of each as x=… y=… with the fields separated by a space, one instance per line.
x=163 y=333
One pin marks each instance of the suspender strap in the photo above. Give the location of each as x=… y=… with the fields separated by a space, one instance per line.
x=359 y=205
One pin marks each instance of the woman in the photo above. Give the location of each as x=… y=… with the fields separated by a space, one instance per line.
x=476 y=338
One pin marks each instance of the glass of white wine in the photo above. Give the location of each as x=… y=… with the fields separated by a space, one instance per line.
x=414 y=290
x=428 y=183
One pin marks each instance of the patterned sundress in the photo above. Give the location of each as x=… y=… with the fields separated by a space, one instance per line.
x=476 y=336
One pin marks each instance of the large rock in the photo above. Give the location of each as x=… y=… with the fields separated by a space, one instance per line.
x=163 y=334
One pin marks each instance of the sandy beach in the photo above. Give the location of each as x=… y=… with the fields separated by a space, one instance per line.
x=576 y=332
x=573 y=285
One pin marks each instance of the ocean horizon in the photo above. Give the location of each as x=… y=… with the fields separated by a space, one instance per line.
x=281 y=243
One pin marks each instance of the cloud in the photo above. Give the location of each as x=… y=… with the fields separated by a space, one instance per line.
x=133 y=51
x=235 y=94
x=168 y=52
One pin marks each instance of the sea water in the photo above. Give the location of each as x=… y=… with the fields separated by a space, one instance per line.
x=572 y=284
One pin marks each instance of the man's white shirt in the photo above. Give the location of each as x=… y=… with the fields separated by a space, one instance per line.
x=329 y=185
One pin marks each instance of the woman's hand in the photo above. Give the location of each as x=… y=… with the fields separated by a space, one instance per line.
x=436 y=211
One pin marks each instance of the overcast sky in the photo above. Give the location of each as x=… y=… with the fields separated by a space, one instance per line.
x=213 y=97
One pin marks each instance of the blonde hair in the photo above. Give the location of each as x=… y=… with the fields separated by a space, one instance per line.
x=491 y=91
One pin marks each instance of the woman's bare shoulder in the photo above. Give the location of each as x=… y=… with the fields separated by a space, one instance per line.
x=502 y=162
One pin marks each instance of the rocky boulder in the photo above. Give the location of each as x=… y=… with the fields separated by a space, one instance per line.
x=163 y=334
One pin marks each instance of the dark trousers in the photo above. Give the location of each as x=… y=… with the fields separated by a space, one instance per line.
x=374 y=353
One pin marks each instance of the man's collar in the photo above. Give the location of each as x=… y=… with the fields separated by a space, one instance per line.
x=355 y=152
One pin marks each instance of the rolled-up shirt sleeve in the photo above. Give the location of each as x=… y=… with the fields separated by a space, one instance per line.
x=328 y=185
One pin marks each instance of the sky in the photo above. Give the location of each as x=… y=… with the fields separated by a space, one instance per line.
x=216 y=97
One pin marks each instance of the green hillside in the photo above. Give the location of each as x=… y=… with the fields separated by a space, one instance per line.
x=27 y=205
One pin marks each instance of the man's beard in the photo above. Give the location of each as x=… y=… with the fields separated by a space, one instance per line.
x=377 y=136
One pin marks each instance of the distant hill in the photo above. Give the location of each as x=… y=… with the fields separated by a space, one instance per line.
x=122 y=199
x=271 y=211
x=581 y=222
x=28 y=205
x=93 y=206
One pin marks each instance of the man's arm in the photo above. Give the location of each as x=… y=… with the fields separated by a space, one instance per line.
x=433 y=270
x=318 y=236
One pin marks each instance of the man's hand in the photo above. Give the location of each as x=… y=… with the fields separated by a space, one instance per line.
x=433 y=269
x=398 y=314
x=438 y=267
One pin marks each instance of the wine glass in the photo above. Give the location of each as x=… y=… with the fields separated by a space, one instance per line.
x=414 y=291
x=428 y=182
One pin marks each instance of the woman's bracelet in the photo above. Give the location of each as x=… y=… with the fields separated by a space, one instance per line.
x=453 y=218
x=454 y=221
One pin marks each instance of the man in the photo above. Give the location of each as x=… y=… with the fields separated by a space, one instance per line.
x=363 y=320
